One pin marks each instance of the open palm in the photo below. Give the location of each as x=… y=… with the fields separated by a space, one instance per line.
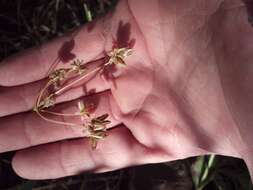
x=185 y=91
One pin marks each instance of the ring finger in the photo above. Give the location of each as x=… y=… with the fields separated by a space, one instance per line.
x=27 y=129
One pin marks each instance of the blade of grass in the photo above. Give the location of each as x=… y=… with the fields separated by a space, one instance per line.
x=207 y=175
x=209 y=166
x=87 y=11
x=197 y=170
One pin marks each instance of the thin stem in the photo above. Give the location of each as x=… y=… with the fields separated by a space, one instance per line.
x=76 y=81
x=61 y=114
x=42 y=92
x=70 y=71
x=58 y=122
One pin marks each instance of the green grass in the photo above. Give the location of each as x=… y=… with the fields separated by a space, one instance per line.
x=221 y=173
x=27 y=23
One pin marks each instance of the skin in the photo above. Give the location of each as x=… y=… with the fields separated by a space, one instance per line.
x=186 y=90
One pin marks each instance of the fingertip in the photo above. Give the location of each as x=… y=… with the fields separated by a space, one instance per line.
x=5 y=78
x=34 y=163
x=13 y=69
x=17 y=168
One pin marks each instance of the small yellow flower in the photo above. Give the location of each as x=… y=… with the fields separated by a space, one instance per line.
x=58 y=75
x=77 y=66
x=97 y=129
x=117 y=56
x=46 y=103
x=83 y=110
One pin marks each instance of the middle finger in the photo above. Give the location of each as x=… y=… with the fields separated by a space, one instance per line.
x=22 y=98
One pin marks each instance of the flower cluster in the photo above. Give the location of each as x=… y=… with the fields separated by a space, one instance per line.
x=62 y=80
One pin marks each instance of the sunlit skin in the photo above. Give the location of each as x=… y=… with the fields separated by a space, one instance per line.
x=186 y=90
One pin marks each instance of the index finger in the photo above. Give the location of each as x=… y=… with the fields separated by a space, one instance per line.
x=34 y=64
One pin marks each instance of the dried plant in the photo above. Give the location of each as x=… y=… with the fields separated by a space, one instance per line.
x=62 y=80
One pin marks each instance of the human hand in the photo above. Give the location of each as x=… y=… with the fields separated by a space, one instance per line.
x=183 y=92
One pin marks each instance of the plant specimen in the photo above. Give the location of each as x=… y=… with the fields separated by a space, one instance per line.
x=62 y=80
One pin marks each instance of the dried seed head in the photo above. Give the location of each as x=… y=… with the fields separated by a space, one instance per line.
x=117 y=56
x=78 y=67
x=58 y=75
x=46 y=103
x=97 y=129
x=83 y=110
x=95 y=137
x=100 y=122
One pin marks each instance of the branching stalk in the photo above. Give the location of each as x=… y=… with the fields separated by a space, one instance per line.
x=95 y=126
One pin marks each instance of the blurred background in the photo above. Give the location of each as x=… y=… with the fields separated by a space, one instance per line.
x=28 y=23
